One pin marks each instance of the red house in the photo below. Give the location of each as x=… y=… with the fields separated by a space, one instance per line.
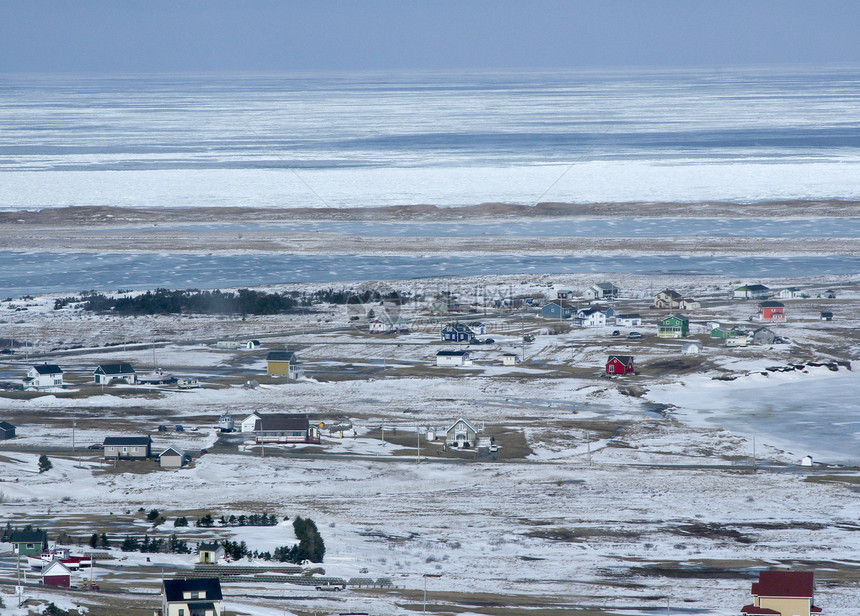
x=57 y=574
x=783 y=593
x=771 y=311
x=619 y=364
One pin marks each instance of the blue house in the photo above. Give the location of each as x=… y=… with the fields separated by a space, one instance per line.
x=457 y=332
x=557 y=310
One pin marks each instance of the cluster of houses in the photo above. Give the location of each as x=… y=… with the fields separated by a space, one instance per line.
x=41 y=377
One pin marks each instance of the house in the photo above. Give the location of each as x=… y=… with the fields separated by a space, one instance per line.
x=43 y=376
x=688 y=303
x=693 y=347
x=590 y=318
x=789 y=293
x=673 y=326
x=771 y=311
x=286 y=428
x=783 y=593
x=628 y=320
x=619 y=364
x=510 y=359
x=7 y=431
x=667 y=298
x=56 y=574
x=457 y=332
x=249 y=422
x=826 y=316
x=453 y=358
x=461 y=434
x=29 y=542
x=379 y=327
x=738 y=341
x=210 y=553
x=194 y=597
x=172 y=457
x=557 y=310
x=751 y=291
x=763 y=336
x=724 y=332
x=127 y=447
x=107 y=373
x=601 y=290
x=281 y=363
x=564 y=294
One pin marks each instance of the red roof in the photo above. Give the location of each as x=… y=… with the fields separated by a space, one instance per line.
x=751 y=609
x=784 y=584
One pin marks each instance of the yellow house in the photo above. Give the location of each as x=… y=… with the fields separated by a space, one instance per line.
x=282 y=363
x=783 y=593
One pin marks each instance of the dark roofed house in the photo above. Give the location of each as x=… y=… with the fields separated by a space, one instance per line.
x=7 y=431
x=826 y=316
x=43 y=376
x=29 y=542
x=106 y=373
x=286 y=428
x=282 y=363
x=128 y=447
x=194 y=597
x=619 y=364
x=783 y=593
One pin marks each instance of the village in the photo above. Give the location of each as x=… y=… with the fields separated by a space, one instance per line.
x=108 y=398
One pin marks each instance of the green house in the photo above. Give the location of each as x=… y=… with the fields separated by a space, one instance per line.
x=29 y=542
x=673 y=326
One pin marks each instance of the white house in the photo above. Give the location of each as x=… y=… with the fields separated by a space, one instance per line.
x=191 y=597
x=249 y=422
x=106 y=373
x=751 y=291
x=790 y=293
x=43 y=376
x=462 y=434
x=453 y=358
x=590 y=318
x=689 y=303
x=694 y=347
x=628 y=320
x=601 y=290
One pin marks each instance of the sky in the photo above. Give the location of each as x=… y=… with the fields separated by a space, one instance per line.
x=167 y=36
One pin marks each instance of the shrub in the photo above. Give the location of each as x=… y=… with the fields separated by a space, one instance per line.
x=45 y=465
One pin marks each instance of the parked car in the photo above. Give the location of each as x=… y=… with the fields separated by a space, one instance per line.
x=331 y=586
x=634 y=335
x=616 y=333
x=96 y=446
x=6 y=352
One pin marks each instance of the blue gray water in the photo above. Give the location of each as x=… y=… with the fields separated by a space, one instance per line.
x=35 y=273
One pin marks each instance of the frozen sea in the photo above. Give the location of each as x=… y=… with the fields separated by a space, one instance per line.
x=352 y=140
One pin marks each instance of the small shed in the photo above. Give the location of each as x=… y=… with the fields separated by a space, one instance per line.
x=619 y=364
x=248 y=424
x=210 y=552
x=57 y=574
x=510 y=359
x=461 y=434
x=807 y=461
x=172 y=457
x=826 y=316
x=7 y=431
x=283 y=363
x=693 y=347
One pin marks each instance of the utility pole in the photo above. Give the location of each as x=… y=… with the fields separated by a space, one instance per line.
x=418 y=442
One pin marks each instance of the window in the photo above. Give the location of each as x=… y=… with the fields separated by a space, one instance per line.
x=181 y=612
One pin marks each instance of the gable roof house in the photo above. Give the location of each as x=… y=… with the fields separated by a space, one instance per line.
x=104 y=374
x=127 y=447
x=619 y=364
x=601 y=290
x=7 y=431
x=461 y=434
x=457 y=332
x=763 y=336
x=43 y=376
x=560 y=309
x=510 y=359
x=673 y=326
x=282 y=363
x=790 y=293
x=210 y=553
x=771 y=311
x=286 y=428
x=783 y=593
x=172 y=457
x=590 y=318
x=688 y=303
x=692 y=347
x=564 y=294
x=194 y=597
x=29 y=542
x=667 y=298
